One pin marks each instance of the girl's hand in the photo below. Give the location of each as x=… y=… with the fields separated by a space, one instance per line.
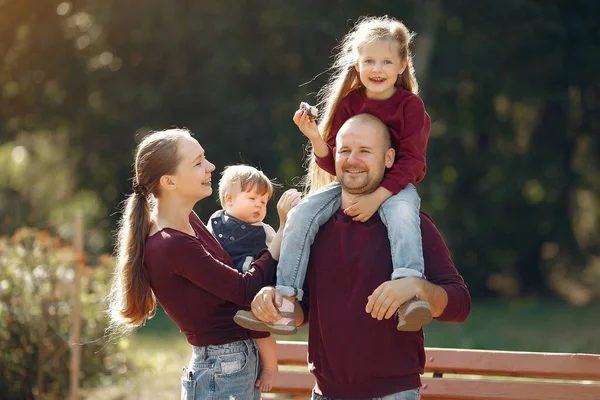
x=307 y=125
x=286 y=202
x=363 y=208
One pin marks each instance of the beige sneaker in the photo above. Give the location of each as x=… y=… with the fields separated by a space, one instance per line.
x=285 y=326
x=413 y=314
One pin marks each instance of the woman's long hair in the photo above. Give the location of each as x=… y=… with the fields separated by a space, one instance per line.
x=131 y=301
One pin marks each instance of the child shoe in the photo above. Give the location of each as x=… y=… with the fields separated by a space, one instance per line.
x=413 y=314
x=285 y=326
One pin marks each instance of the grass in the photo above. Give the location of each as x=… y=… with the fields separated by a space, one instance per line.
x=160 y=350
x=522 y=326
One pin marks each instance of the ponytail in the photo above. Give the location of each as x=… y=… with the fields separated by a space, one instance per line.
x=132 y=301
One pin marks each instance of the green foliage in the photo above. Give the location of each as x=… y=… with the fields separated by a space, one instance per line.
x=36 y=288
x=515 y=107
x=511 y=87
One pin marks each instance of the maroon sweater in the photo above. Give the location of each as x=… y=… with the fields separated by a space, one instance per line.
x=409 y=124
x=352 y=355
x=195 y=282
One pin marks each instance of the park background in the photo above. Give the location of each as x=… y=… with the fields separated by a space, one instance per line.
x=513 y=179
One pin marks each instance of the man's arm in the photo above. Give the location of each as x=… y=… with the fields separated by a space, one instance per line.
x=444 y=289
x=440 y=271
x=435 y=295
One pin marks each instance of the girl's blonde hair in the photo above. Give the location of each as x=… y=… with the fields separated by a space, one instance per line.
x=131 y=300
x=243 y=178
x=344 y=78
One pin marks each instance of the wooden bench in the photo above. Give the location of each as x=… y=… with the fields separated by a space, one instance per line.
x=475 y=374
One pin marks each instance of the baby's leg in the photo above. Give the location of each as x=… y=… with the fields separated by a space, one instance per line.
x=400 y=213
x=304 y=221
x=300 y=230
x=267 y=350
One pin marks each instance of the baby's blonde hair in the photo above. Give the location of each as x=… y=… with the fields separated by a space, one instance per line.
x=344 y=79
x=243 y=178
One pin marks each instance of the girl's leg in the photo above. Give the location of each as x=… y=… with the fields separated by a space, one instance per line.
x=400 y=214
x=304 y=222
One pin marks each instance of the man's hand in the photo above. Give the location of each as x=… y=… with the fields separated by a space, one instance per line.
x=286 y=202
x=266 y=303
x=390 y=295
x=364 y=207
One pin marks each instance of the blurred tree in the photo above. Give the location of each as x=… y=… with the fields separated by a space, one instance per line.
x=517 y=101
x=510 y=85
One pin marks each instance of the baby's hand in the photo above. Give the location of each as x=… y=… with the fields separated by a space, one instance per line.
x=306 y=122
x=287 y=201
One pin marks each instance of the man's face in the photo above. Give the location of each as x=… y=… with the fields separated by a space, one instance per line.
x=361 y=156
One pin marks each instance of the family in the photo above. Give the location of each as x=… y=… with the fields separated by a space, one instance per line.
x=354 y=258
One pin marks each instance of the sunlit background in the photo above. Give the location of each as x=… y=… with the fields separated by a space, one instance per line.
x=513 y=179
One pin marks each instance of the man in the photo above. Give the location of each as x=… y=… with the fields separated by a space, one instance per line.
x=354 y=348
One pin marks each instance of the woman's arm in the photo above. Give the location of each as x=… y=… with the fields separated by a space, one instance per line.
x=444 y=289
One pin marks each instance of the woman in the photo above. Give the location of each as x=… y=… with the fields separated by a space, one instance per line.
x=166 y=254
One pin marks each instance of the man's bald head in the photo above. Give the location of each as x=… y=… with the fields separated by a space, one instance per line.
x=377 y=126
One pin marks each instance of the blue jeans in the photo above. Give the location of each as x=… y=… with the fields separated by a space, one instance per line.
x=413 y=394
x=228 y=371
x=399 y=213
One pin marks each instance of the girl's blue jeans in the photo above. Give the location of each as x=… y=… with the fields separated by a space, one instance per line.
x=399 y=213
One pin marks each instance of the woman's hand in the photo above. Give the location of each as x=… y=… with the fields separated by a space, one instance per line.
x=266 y=303
x=286 y=202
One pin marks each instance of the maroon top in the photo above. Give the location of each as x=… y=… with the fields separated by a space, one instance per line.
x=405 y=116
x=195 y=282
x=351 y=354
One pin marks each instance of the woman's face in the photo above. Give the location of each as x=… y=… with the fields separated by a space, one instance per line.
x=192 y=177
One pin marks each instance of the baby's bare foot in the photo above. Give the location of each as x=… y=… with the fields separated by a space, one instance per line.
x=266 y=380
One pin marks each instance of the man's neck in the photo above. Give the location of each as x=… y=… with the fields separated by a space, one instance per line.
x=348 y=198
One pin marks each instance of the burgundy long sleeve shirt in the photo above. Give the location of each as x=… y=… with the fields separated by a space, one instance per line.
x=351 y=354
x=409 y=125
x=195 y=282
